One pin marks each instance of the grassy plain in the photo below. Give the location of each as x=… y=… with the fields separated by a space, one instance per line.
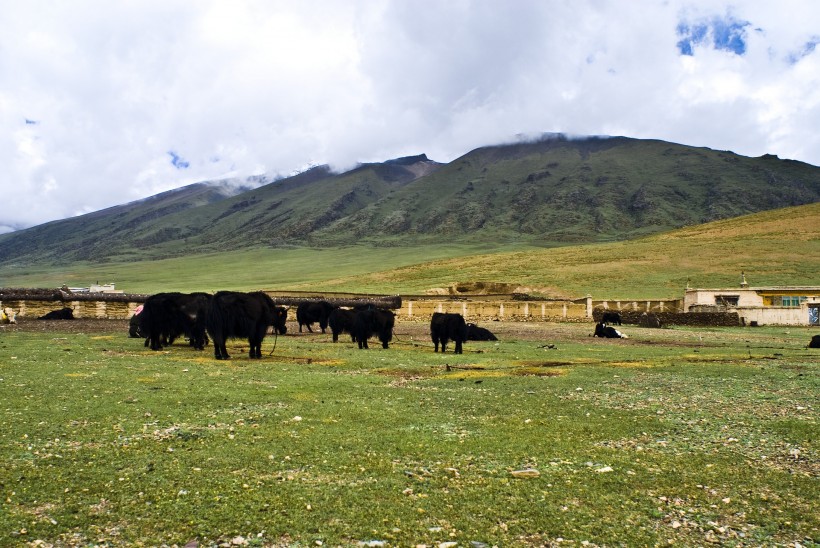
x=780 y=247
x=691 y=436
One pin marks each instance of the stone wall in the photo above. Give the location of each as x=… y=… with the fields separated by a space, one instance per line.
x=475 y=310
x=695 y=319
x=111 y=310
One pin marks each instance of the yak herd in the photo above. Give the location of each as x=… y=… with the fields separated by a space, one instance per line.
x=165 y=317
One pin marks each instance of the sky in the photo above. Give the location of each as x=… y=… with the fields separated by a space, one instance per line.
x=103 y=103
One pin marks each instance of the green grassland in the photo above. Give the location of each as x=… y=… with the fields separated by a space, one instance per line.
x=691 y=436
x=780 y=247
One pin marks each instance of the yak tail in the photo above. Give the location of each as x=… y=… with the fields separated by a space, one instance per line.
x=275 y=339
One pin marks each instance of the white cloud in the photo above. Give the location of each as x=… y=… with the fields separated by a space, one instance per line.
x=235 y=87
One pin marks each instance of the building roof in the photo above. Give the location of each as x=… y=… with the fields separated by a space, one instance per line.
x=772 y=288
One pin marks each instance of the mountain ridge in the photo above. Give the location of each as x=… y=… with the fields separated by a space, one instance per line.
x=546 y=192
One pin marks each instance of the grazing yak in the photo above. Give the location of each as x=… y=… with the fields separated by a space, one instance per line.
x=7 y=315
x=62 y=314
x=608 y=332
x=310 y=312
x=134 y=324
x=815 y=342
x=611 y=317
x=234 y=314
x=448 y=327
x=475 y=333
x=166 y=316
x=373 y=321
x=341 y=321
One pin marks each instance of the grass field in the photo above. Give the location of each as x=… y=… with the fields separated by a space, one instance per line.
x=780 y=247
x=691 y=436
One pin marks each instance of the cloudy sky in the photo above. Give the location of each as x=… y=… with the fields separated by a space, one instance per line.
x=103 y=102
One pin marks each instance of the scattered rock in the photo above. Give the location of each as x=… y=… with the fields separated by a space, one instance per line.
x=526 y=473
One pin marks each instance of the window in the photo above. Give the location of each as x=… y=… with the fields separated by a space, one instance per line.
x=726 y=300
x=791 y=301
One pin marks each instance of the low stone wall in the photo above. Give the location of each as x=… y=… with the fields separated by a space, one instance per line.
x=652 y=305
x=36 y=303
x=489 y=310
x=116 y=310
x=694 y=319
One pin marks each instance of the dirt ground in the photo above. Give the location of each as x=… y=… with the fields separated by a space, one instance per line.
x=533 y=331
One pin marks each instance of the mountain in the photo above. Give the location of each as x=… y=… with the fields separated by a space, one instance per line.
x=551 y=191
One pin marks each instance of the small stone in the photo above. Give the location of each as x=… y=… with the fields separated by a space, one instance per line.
x=526 y=473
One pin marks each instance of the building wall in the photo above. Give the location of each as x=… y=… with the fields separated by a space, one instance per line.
x=775 y=315
x=707 y=297
x=758 y=305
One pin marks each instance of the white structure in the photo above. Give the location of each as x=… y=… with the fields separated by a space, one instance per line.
x=95 y=288
x=773 y=305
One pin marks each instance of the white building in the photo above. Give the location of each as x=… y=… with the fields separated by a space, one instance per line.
x=771 y=305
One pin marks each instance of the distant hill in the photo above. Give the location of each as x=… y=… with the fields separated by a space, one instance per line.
x=549 y=192
x=775 y=248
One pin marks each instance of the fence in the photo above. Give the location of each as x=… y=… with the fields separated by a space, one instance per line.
x=508 y=307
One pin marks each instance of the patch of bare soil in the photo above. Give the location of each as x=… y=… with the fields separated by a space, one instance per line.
x=546 y=332
x=525 y=331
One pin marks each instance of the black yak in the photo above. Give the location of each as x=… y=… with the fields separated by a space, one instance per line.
x=235 y=314
x=341 y=321
x=310 y=312
x=373 y=321
x=134 y=324
x=166 y=316
x=475 y=333
x=446 y=327
x=65 y=313
x=608 y=332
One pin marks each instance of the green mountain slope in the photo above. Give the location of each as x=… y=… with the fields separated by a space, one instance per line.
x=560 y=191
x=555 y=191
x=778 y=247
